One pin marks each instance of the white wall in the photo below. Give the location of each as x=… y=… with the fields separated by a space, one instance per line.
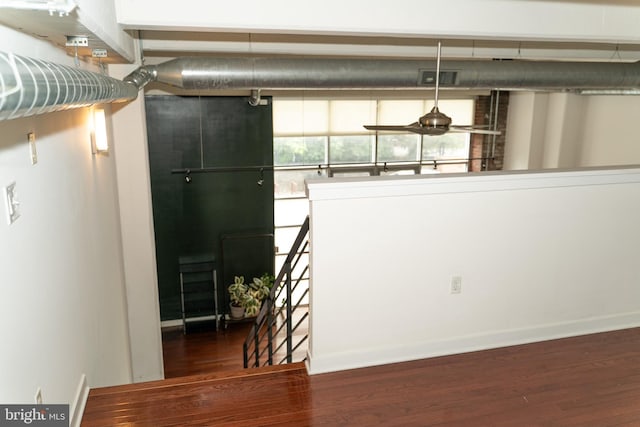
x=62 y=297
x=610 y=131
x=541 y=255
x=561 y=130
x=526 y=130
x=129 y=126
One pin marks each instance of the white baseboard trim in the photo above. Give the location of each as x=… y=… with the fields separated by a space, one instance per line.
x=171 y=323
x=178 y=322
x=361 y=358
x=79 y=402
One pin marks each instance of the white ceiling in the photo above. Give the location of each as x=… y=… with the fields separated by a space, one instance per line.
x=528 y=29
x=579 y=30
x=165 y=44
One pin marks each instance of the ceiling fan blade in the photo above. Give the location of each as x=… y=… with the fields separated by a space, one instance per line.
x=471 y=126
x=431 y=131
x=392 y=128
x=414 y=127
x=469 y=129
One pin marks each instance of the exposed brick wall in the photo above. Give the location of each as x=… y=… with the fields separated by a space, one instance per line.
x=481 y=147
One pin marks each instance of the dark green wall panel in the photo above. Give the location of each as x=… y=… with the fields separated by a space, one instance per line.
x=256 y=126
x=191 y=218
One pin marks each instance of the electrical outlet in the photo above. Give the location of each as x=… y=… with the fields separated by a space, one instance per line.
x=38 y=396
x=456 y=284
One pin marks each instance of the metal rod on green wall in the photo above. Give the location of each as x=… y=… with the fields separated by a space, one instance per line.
x=223 y=169
x=336 y=165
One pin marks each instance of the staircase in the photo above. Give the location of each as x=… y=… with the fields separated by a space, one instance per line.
x=279 y=334
x=274 y=394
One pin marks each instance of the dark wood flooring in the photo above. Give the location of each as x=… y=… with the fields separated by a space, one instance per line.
x=585 y=381
x=203 y=351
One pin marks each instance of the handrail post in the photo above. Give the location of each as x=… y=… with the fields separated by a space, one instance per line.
x=289 y=314
x=245 y=355
x=256 y=346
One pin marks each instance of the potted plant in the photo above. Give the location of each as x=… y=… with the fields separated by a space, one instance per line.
x=257 y=291
x=246 y=299
x=251 y=303
x=237 y=295
x=268 y=280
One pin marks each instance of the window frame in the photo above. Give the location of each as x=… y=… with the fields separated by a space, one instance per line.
x=371 y=168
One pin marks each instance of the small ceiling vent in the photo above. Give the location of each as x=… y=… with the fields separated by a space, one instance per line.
x=428 y=78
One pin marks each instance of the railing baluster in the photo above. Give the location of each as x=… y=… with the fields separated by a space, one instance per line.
x=289 y=315
x=245 y=355
x=270 y=329
x=256 y=339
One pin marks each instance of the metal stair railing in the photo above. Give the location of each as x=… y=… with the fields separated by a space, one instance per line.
x=262 y=347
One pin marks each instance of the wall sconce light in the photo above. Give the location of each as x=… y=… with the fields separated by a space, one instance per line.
x=261 y=179
x=99 y=141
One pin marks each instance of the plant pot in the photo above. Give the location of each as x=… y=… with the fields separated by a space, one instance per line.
x=236 y=312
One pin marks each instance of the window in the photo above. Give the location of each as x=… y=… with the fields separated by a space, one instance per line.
x=322 y=137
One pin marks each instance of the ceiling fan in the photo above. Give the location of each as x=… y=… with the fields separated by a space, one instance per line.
x=434 y=122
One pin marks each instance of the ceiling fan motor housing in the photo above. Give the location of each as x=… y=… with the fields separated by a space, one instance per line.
x=436 y=121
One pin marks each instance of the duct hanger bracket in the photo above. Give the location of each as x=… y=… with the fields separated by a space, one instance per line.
x=255 y=99
x=99 y=53
x=78 y=41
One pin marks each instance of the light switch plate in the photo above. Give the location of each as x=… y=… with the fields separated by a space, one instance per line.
x=456 y=284
x=11 y=203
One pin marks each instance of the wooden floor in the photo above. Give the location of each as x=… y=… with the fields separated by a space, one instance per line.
x=592 y=380
x=203 y=352
x=208 y=351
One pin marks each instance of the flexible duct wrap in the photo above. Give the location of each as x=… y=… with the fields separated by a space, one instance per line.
x=31 y=86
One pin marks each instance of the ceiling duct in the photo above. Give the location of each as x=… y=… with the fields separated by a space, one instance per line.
x=31 y=86
x=202 y=73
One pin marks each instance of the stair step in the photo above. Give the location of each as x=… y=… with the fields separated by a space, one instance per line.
x=199 y=399
x=203 y=378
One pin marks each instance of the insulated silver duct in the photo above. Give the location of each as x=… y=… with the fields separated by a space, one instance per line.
x=31 y=86
x=203 y=73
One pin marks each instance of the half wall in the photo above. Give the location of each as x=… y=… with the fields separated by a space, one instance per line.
x=540 y=255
